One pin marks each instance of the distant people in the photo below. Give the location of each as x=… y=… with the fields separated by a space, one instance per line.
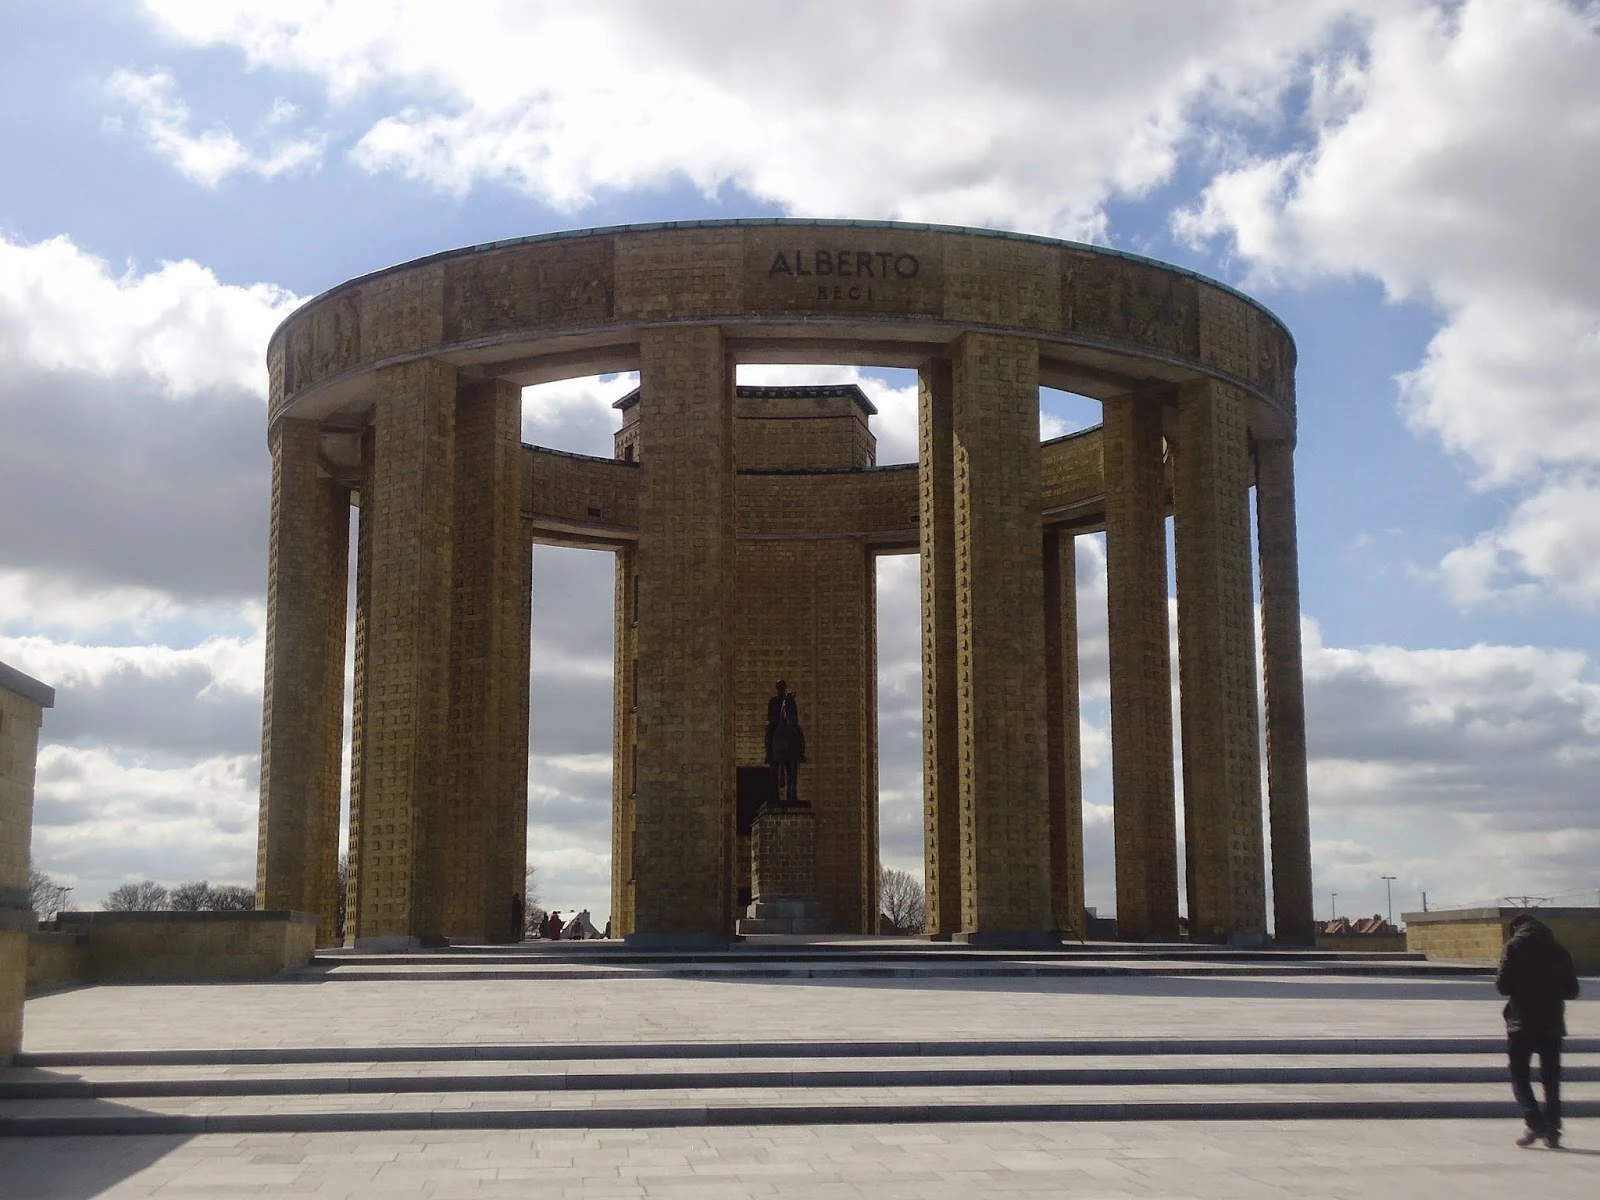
x=608 y=929
x=553 y=931
x=1538 y=976
x=517 y=927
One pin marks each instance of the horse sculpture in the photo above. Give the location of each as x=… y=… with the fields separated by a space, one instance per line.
x=786 y=744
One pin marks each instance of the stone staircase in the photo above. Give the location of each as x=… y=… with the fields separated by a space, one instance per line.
x=635 y=1081
x=642 y=1085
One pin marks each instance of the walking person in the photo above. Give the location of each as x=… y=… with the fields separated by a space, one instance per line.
x=1537 y=976
x=518 y=928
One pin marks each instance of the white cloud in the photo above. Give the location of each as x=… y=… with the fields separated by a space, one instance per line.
x=208 y=157
x=1454 y=156
x=1028 y=115
x=101 y=818
x=126 y=395
x=1550 y=542
x=176 y=327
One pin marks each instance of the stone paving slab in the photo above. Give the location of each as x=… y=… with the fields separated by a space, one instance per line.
x=1321 y=1160
x=672 y=1010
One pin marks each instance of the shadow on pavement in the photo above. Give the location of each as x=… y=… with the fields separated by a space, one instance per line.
x=73 y=1167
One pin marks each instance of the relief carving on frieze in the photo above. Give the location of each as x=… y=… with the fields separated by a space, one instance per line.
x=1122 y=301
x=335 y=342
x=528 y=287
x=276 y=383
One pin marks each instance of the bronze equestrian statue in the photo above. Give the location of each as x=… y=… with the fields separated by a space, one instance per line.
x=786 y=745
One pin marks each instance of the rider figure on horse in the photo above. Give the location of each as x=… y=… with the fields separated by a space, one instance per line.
x=786 y=743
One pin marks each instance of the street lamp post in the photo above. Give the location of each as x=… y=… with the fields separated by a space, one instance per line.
x=1388 y=882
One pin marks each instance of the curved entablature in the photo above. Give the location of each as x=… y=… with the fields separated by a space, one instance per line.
x=885 y=294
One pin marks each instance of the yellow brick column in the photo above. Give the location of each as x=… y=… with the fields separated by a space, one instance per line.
x=1061 y=705
x=485 y=834
x=358 y=693
x=684 y=811
x=999 y=582
x=1145 y=820
x=1288 y=803
x=624 y=735
x=405 y=766
x=1216 y=664
x=297 y=849
x=941 y=859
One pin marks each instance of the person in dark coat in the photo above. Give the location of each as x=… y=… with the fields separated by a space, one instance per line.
x=1538 y=978
x=556 y=925
x=518 y=929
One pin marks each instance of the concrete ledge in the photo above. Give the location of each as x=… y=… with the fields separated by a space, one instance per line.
x=197 y=947
x=603 y=1051
x=372 y=1083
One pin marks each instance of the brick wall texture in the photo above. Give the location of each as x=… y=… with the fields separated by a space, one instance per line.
x=20 y=719
x=406 y=761
x=1216 y=664
x=1065 y=762
x=1284 y=690
x=487 y=813
x=999 y=624
x=783 y=854
x=941 y=751
x=1141 y=669
x=684 y=812
x=298 y=835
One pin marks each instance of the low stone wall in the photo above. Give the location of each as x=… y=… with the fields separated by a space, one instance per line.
x=1363 y=943
x=118 y=947
x=1477 y=934
x=57 y=960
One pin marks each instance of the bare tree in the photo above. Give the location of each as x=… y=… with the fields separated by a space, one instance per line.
x=902 y=900
x=47 y=897
x=190 y=897
x=231 y=897
x=146 y=896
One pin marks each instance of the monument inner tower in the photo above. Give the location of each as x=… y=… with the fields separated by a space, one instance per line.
x=804 y=611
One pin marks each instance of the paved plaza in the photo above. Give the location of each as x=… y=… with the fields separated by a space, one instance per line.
x=1358 y=1160
x=353 y=1013
x=463 y=1034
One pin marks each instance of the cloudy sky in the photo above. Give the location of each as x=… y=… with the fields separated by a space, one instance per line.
x=1409 y=183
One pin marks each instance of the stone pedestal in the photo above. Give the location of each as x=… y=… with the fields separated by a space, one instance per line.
x=783 y=873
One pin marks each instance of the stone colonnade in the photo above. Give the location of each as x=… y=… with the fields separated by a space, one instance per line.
x=399 y=392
